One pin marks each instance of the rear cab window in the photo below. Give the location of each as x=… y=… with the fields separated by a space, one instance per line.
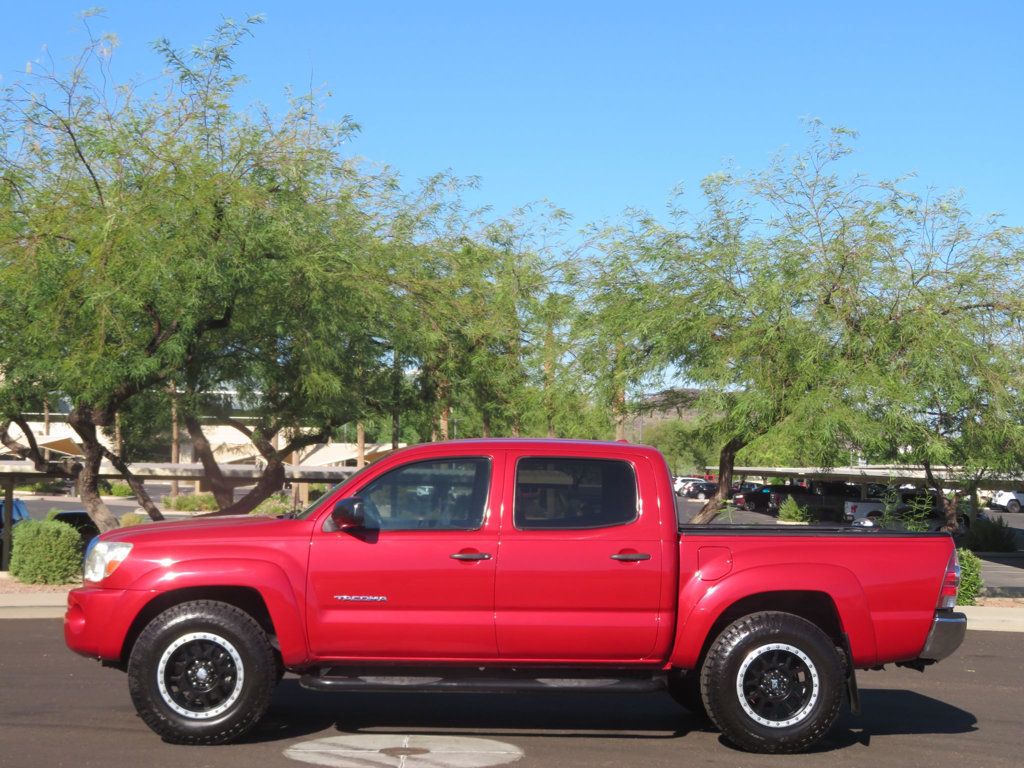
x=574 y=493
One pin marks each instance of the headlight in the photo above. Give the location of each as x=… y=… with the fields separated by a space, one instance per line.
x=103 y=559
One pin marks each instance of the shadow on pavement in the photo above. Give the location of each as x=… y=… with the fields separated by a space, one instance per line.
x=296 y=712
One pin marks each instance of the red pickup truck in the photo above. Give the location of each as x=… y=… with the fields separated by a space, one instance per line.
x=511 y=565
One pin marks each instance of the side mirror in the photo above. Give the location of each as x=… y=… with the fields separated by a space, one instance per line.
x=348 y=513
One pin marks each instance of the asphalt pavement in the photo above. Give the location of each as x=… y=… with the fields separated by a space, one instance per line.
x=58 y=709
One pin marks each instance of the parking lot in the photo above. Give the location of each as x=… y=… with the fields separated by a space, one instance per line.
x=58 y=709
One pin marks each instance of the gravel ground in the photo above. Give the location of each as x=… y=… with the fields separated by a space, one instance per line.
x=10 y=586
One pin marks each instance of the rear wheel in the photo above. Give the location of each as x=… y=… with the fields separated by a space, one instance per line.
x=202 y=673
x=773 y=682
x=1013 y=506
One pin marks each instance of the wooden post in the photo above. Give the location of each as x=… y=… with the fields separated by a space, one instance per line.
x=8 y=521
x=360 y=445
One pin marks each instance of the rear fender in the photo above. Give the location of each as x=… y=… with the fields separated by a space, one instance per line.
x=701 y=604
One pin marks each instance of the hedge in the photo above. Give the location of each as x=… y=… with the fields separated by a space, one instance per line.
x=46 y=552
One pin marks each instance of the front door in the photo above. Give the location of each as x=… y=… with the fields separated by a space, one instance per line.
x=418 y=581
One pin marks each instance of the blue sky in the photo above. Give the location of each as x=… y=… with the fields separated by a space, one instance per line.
x=599 y=106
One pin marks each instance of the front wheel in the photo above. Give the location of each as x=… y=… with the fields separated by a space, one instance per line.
x=202 y=673
x=1013 y=506
x=773 y=682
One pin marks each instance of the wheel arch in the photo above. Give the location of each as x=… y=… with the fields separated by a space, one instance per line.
x=841 y=610
x=247 y=599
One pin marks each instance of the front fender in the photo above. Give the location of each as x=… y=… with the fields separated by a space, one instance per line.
x=702 y=603
x=266 y=578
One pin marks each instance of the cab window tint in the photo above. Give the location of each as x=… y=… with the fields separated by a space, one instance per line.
x=574 y=493
x=443 y=495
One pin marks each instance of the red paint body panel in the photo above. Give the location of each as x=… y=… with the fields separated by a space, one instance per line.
x=543 y=596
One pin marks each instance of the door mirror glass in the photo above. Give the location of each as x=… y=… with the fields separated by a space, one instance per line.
x=349 y=513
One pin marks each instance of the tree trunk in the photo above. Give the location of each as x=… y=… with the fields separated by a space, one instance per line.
x=619 y=411
x=726 y=462
x=88 y=480
x=396 y=400
x=485 y=418
x=223 y=491
x=175 y=437
x=138 y=488
x=948 y=505
x=270 y=482
x=360 y=445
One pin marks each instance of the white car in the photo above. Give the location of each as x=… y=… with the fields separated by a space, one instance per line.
x=1011 y=501
x=679 y=483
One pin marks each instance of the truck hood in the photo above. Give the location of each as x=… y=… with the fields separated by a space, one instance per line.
x=230 y=526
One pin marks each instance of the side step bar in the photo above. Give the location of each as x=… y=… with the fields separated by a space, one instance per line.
x=476 y=680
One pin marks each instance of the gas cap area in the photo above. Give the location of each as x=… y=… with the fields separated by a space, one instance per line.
x=713 y=562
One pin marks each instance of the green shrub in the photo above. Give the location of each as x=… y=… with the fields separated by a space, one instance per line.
x=990 y=536
x=971 y=582
x=48 y=486
x=131 y=518
x=192 y=502
x=122 y=490
x=316 y=490
x=791 y=512
x=52 y=513
x=46 y=552
x=272 y=507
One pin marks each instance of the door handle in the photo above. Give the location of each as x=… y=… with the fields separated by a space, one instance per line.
x=631 y=557
x=470 y=556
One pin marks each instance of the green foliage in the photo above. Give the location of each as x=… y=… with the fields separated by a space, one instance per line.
x=47 y=487
x=46 y=552
x=131 y=518
x=791 y=511
x=272 y=507
x=990 y=536
x=971 y=582
x=52 y=513
x=121 y=490
x=191 y=502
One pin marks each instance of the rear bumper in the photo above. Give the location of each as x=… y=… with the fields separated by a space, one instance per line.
x=947 y=633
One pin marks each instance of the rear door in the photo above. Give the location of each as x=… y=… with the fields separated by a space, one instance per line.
x=580 y=577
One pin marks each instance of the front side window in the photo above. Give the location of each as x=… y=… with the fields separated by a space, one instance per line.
x=574 y=493
x=441 y=495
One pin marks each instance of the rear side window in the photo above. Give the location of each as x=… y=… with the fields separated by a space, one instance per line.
x=574 y=493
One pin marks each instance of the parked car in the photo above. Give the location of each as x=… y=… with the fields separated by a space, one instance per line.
x=79 y=520
x=870 y=511
x=745 y=487
x=702 y=490
x=534 y=566
x=19 y=512
x=758 y=500
x=824 y=498
x=1011 y=501
x=679 y=483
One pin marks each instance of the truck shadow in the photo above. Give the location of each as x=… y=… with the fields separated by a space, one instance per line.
x=296 y=712
x=895 y=712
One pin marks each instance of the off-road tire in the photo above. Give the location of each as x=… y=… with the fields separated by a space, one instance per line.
x=684 y=688
x=796 y=656
x=234 y=640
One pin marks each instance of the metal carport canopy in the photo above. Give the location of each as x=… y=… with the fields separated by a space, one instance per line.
x=885 y=474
